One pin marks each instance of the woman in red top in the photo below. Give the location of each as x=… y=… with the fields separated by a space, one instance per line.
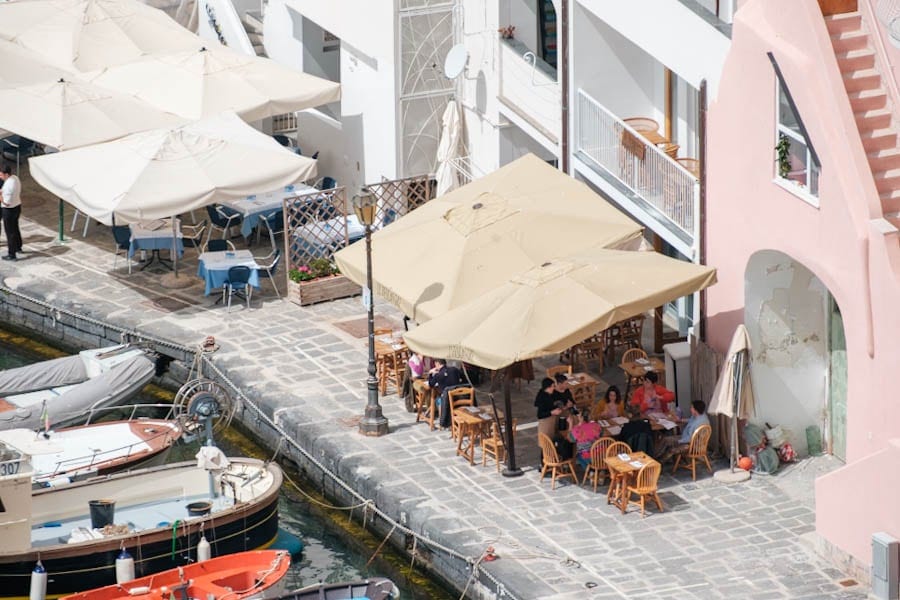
x=651 y=397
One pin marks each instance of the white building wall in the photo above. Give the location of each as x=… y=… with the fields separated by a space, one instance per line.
x=523 y=15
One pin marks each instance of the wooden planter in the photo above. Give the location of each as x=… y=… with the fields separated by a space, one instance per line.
x=321 y=290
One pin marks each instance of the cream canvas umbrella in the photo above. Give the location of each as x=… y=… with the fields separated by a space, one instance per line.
x=448 y=149
x=85 y=35
x=164 y=172
x=458 y=247
x=18 y=66
x=733 y=394
x=69 y=113
x=553 y=306
x=207 y=81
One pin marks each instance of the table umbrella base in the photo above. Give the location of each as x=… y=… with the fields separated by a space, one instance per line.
x=729 y=476
x=173 y=281
x=512 y=472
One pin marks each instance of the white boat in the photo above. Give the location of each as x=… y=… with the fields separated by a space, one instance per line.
x=61 y=456
x=158 y=515
x=69 y=387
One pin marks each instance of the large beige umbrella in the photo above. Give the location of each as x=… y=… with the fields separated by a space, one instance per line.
x=165 y=172
x=733 y=394
x=92 y=34
x=457 y=248
x=553 y=306
x=69 y=113
x=204 y=82
x=18 y=66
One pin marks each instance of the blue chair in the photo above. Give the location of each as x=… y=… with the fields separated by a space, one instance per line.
x=283 y=140
x=18 y=146
x=218 y=246
x=269 y=266
x=328 y=183
x=274 y=223
x=238 y=282
x=222 y=217
x=122 y=235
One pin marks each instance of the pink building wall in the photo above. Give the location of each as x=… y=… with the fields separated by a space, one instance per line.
x=844 y=241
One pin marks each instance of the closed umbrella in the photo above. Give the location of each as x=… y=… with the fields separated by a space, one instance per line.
x=207 y=81
x=448 y=149
x=458 y=247
x=69 y=113
x=733 y=394
x=85 y=35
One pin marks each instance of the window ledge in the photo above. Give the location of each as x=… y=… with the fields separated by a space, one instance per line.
x=796 y=190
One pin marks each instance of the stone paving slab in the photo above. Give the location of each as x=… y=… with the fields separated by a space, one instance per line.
x=713 y=541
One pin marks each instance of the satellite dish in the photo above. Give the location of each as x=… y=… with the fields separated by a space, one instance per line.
x=456 y=60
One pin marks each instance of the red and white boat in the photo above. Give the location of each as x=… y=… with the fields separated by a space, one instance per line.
x=254 y=575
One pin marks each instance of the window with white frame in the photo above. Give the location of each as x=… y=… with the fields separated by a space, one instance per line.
x=796 y=161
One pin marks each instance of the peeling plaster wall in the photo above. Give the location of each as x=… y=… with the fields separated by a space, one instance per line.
x=785 y=315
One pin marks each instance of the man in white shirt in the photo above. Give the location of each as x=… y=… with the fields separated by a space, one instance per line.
x=11 y=204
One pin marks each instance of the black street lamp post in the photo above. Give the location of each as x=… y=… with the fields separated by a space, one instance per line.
x=373 y=423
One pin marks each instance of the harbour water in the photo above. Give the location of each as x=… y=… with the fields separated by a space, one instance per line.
x=330 y=553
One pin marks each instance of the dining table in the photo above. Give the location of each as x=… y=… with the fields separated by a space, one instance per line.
x=155 y=235
x=213 y=267
x=474 y=424
x=622 y=468
x=256 y=206
x=584 y=389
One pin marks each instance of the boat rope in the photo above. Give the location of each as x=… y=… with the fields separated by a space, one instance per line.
x=174 y=536
x=380 y=546
x=473 y=575
x=319 y=502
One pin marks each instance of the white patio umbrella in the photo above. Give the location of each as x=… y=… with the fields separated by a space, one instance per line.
x=19 y=66
x=207 y=81
x=69 y=113
x=159 y=173
x=448 y=149
x=92 y=34
x=733 y=394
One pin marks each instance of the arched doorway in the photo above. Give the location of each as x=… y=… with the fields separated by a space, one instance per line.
x=799 y=364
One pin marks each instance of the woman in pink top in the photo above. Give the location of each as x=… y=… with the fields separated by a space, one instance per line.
x=583 y=434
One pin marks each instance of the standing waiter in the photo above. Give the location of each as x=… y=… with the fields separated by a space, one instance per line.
x=11 y=209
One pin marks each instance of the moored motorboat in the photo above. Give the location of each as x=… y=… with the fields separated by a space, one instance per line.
x=61 y=391
x=60 y=456
x=376 y=588
x=255 y=575
x=158 y=515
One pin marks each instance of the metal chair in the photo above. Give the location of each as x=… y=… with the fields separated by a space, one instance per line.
x=192 y=235
x=122 y=235
x=87 y=222
x=218 y=246
x=223 y=218
x=268 y=268
x=274 y=224
x=238 y=282
x=19 y=146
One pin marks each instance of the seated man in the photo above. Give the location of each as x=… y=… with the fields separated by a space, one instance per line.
x=444 y=378
x=651 y=397
x=669 y=445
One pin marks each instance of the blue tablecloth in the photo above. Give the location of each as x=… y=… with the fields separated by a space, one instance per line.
x=213 y=268
x=253 y=208
x=154 y=243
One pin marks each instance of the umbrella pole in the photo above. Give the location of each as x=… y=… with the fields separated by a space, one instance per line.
x=175 y=244
x=511 y=469
x=735 y=405
x=62 y=218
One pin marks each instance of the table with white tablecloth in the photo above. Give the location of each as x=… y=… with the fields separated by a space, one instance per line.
x=257 y=206
x=213 y=268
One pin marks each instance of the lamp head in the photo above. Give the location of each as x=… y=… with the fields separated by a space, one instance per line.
x=364 y=205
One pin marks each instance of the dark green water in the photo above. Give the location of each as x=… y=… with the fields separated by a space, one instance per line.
x=328 y=554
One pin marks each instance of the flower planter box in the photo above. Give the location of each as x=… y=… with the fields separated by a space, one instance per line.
x=321 y=290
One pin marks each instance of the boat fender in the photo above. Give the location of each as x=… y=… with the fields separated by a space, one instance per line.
x=139 y=591
x=124 y=567
x=204 y=552
x=38 y=583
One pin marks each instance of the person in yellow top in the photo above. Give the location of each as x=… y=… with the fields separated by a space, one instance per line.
x=610 y=406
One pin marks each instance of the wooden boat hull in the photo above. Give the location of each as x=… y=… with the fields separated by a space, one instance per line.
x=74 y=567
x=254 y=575
x=377 y=588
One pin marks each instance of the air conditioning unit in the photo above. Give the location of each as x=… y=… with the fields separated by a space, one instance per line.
x=885 y=566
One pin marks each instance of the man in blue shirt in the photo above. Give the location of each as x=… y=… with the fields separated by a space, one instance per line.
x=669 y=446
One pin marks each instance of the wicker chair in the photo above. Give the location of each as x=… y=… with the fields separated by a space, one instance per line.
x=645 y=485
x=552 y=371
x=597 y=466
x=615 y=449
x=494 y=446
x=558 y=468
x=456 y=398
x=696 y=451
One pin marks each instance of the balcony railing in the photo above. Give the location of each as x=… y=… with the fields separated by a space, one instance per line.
x=608 y=143
x=529 y=88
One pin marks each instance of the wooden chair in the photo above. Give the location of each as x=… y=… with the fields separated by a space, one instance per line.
x=615 y=449
x=425 y=403
x=392 y=370
x=597 y=466
x=583 y=395
x=383 y=331
x=646 y=485
x=456 y=398
x=696 y=451
x=593 y=347
x=494 y=446
x=552 y=371
x=558 y=468
x=631 y=355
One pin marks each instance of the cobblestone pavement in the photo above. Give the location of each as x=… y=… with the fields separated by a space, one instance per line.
x=713 y=541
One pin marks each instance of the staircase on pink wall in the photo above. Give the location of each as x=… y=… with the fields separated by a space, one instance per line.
x=871 y=106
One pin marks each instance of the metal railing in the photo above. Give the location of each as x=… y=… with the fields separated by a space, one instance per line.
x=618 y=149
x=466 y=169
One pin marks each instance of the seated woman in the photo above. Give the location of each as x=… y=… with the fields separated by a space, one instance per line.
x=583 y=434
x=651 y=397
x=610 y=406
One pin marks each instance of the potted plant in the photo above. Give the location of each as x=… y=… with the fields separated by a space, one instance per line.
x=508 y=32
x=318 y=281
x=783 y=155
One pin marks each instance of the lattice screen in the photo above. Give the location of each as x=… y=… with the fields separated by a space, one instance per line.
x=400 y=196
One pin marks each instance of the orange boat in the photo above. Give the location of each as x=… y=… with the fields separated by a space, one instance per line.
x=251 y=575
